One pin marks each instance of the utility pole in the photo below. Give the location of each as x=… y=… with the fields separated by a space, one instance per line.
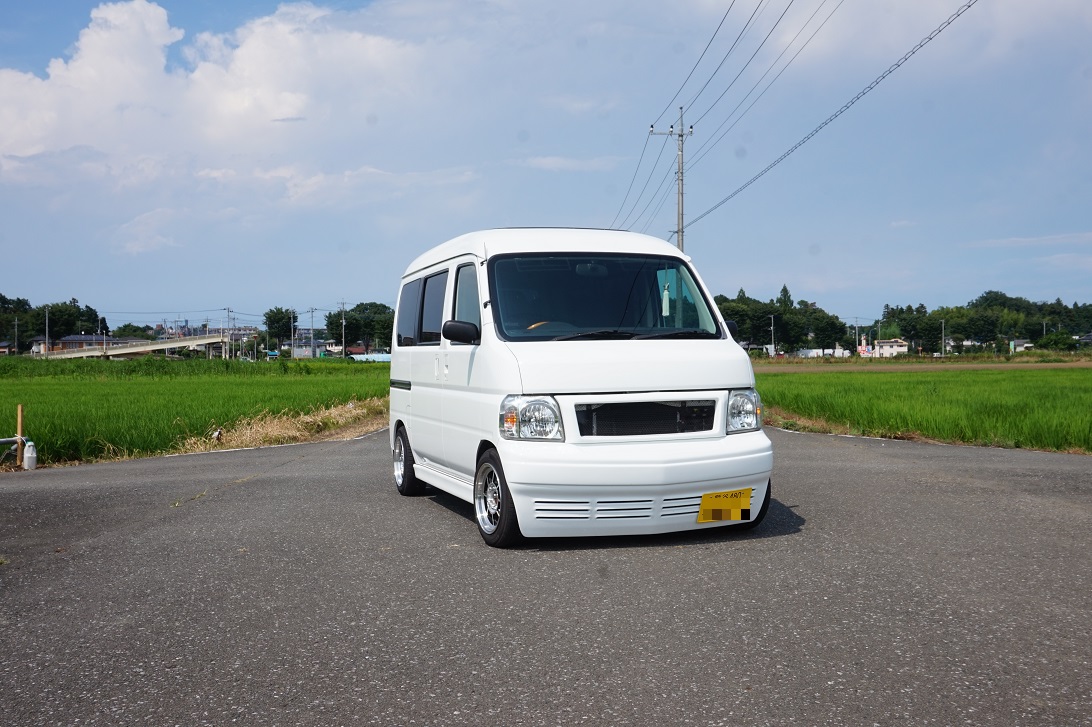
x=231 y=333
x=17 y=334
x=681 y=135
x=942 y=338
x=773 y=346
x=344 y=348
x=312 y=310
x=47 y=328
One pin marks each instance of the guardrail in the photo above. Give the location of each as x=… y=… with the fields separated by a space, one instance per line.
x=130 y=349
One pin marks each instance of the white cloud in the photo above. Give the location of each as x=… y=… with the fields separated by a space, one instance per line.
x=1074 y=238
x=144 y=233
x=581 y=106
x=563 y=164
x=1067 y=262
x=408 y=121
x=874 y=32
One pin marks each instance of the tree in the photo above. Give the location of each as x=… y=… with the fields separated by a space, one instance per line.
x=376 y=324
x=131 y=330
x=348 y=321
x=12 y=310
x=730 y=310
x=784 y=299
x=1057 y=341
x=829 y=330
x=279 y=323
x=930 y=330
x=64 y=319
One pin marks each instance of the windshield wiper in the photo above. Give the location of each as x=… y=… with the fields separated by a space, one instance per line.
x=681 y=333
x=601 y=333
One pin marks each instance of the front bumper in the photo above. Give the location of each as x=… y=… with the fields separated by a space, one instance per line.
x=631 y=487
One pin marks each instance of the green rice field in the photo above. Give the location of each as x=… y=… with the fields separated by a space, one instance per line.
x=84 y=410
x=80 y=410
x=1033 y=408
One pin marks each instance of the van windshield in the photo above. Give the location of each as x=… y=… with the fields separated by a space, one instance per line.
x=579 y=296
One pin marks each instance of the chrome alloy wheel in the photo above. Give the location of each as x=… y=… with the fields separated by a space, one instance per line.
x=487 y=498
x=399 y=462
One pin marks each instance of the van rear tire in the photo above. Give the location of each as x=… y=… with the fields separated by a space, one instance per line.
x=405 y=479
x=493 y=508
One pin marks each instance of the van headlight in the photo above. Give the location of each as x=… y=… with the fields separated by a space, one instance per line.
x=531 y=417
x=744 y=411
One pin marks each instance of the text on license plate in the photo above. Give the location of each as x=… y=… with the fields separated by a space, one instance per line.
x=730 y=505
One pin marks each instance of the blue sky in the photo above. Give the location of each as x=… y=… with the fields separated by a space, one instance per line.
x=174 y=159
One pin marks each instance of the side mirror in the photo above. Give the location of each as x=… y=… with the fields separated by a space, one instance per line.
x=733 y=329
x=460 y=332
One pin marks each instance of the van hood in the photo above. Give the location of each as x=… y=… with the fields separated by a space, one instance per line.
x=584 y=367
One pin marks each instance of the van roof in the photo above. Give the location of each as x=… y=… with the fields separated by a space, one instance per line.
x=486 y=243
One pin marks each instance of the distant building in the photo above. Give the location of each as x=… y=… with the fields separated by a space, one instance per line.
x=836 y=352
x=7 y=348
x=78 y=341
x=890 y=347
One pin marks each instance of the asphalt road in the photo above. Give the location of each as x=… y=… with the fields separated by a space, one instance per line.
x=893 y=583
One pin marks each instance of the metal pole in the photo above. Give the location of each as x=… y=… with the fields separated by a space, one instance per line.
x=681 y=135
x=773 y=346
x=344 y=348
x=19 y=435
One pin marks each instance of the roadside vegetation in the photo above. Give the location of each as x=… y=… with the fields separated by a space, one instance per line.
x=87 y=410
x=1043 y=407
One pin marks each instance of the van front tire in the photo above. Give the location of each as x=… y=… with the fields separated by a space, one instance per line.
x=761 y=512
x=404 y=477
x=493 y=508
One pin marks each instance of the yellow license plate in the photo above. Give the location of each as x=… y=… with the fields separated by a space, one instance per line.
x=725 y=506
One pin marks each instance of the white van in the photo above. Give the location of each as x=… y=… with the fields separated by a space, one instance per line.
x=573 y=382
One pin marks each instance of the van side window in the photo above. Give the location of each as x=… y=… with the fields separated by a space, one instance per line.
x=466 y=296
x=409 y=304
x=432 y=308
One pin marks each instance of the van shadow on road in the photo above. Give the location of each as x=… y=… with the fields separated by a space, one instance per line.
x=780 y=520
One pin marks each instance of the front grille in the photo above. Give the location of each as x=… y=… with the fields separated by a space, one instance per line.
x=615 y=509
x=621 y=419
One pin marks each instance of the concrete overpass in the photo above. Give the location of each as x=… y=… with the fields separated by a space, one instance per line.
x=126 y=350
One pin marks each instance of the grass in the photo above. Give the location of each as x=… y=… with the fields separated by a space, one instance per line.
x=85 y=410
x=1047 y=409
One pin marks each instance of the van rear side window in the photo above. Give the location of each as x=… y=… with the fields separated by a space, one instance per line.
x=432 y=308
x=409 y=305
x=421 y=311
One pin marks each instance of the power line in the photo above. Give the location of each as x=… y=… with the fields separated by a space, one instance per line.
x=921 y=44
x=656 y=212
x=742 y=33
x=748 y=26
x=642 y=194
x=696 y=64
x=631 y=181
x=717 y=135
x=748 y=63
x=644 y=148
x=663 y=181
x=158 y=312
